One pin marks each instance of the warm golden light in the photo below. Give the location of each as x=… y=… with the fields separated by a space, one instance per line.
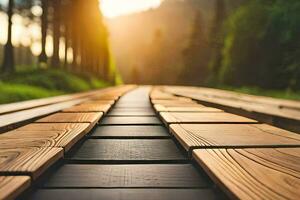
x=113 y=8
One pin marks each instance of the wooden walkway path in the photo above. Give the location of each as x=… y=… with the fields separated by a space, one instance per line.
x=148 y=144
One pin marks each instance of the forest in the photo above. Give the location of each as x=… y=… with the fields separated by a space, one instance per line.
x=245 y=45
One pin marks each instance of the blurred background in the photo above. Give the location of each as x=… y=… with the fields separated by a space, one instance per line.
x=51 y=47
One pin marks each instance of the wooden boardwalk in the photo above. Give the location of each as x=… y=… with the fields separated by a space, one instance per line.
x=130 y=142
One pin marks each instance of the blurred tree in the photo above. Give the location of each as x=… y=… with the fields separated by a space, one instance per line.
x=56 y=26
x=196 y=55
x=44 y=28
x=8 y=62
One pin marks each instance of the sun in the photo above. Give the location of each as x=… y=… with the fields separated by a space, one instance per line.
x=114 y=8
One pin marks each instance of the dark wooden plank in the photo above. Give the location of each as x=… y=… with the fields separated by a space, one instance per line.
x=130 y=131
x=232 y=135
x=131 y=121
x=89 y=107
x=192 y=117
x=254 y=173
x=12 y=186
x=127 y=176
x=129 y=150
x=72 y=118
x=54 y=134
x=184 y=108
x=125 y=194
x=131 y=113
x=27 y=160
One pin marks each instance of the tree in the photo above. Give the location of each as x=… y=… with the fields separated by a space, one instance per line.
x=216 y=39
x=196 y=55
x=8 y=63
x=44 y=28
x=56 y=32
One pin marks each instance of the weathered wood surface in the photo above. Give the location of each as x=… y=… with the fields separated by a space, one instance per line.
x=131 y=121
x=88 y=107
x=125 y=194
x=254 y=173
x=92 y=118
x=129 y=150
x=53 y=134
x=130 y=131
x=232 y=135
x=21 y=116
x=127 y=176
x=265 y=105
x=31 y=161
x=12 y=186
x=192 y=117
x=184 y=108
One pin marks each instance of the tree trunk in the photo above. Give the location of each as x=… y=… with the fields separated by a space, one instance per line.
x=44 y=27
x=8 y=62
x=56 y=33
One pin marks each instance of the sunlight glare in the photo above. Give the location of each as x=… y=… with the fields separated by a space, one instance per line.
x=114 y=8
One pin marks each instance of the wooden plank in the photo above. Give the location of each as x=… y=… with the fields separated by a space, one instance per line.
x=124 y=194
x=89 y=107
x=254 y=173
x=27 y=160
x=175 y=101
x=192 y=117
x=232 y=135
x=129 y=150
x=54 y=134
x=131 y=113
x=12 y=186
x=92 y=118
x=21 y=116
x=131 y=121
x=127 y=176
x=130 y=131
x=183 y=108
x=111 y=102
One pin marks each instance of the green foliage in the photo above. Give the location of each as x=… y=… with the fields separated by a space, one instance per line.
x=16 y=92
x=262 y=45
x=31 y=83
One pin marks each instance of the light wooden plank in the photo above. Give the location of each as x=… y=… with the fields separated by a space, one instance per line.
x=92 y=118
x=131 y=121
x=175 y=101
x=21 y=116
x=111 y=102
x=130 y=131
x=130 y=113
x=28 y=160
x=232 y=135
x=127 y=176
x=54 y=134
x=12 y=186
x=254 y=173
x=142 y=150
x=89 y=107
x=192 y=117
x=183 y=108
x=125 y=194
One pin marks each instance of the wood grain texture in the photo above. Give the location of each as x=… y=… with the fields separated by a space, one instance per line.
x=21 y=116
x=92 y=118
x=28 y=160
x=127 y=176
x=173 y=101
x=53 y=134
x=131 y=121
x=130 y=131
x=232 y=135
x=129 y=150
x=254 y=173
x=125 y=194
x=192 y=117
x=111 y=102
x=12 y=186
x=183 y=108
x=89 y=107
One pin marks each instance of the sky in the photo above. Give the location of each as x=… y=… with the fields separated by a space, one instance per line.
x=113 y=8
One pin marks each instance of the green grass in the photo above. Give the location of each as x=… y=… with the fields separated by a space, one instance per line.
x=283 y=94
x=30 y=83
